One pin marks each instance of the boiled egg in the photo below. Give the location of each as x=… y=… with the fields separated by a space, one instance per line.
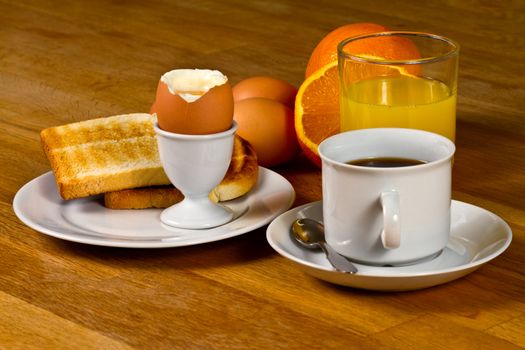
x=268 y=126
x=267 y=87
x=194 y=101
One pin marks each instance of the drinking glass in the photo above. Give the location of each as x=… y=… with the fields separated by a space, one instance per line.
x=410 y=81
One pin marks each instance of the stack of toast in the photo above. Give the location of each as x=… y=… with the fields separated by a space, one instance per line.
x=117 y=156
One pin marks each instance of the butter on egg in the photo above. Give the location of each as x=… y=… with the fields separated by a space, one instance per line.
x=194 y=101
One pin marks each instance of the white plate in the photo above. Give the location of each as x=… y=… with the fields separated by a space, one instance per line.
x=477 y=236
x=86 y=220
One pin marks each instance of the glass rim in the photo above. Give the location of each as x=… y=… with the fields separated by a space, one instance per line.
x=452 y=52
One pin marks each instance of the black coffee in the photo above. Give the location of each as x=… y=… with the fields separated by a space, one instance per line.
x=386 y=162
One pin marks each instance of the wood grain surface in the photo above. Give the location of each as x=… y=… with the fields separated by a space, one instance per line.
x=64 y=61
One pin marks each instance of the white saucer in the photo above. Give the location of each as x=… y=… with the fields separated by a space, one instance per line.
x=477 y=236
x=86 y=220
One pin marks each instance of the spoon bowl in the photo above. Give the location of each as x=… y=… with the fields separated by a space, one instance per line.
x=310 y=234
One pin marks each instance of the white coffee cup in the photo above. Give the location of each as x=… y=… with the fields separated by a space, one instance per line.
x=387 y=216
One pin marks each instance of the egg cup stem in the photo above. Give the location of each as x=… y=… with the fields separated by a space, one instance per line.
x=195 y=164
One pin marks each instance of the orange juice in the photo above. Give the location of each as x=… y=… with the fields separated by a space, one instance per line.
x=404 y=101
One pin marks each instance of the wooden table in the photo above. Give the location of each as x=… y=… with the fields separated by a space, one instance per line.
x=66 y=61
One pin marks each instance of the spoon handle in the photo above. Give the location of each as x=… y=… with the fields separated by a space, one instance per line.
x=339 y=262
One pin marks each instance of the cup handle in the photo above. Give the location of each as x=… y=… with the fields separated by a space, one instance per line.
x=391 y=234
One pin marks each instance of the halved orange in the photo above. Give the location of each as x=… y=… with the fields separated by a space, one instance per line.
x=317 y=110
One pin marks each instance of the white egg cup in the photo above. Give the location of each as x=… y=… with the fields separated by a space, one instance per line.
x=195 y=164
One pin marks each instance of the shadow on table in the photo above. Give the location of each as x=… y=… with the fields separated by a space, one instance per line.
x=237 y=250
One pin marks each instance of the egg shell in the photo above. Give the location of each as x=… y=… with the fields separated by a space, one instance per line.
x=211 y=113
x=267 y=87
x=268 y=126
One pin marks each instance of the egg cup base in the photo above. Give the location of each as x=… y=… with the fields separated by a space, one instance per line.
x=199 y=213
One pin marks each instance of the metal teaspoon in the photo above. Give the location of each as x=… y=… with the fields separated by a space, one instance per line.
x=310 y=234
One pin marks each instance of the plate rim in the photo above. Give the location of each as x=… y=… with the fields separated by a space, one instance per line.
x=371 y=274
x=146 y=244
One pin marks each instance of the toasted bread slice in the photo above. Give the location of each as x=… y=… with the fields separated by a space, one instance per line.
x=142 y=198
x=240 y=178
x=104 y=154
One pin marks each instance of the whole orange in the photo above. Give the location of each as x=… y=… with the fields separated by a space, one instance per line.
x=326 y=51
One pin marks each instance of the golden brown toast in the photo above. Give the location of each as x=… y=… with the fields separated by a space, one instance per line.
x=240 y=178
x=104 y=154
x=142 y=198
